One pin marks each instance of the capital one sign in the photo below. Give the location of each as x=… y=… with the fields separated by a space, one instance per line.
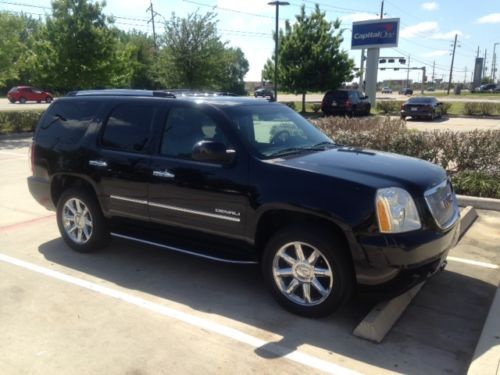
x=375 y=33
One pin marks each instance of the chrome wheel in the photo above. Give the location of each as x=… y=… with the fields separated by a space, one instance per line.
x=77 y=221
x=302 y=274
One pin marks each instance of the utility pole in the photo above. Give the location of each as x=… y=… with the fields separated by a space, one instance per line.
x=452 y=61
x=494 y=63
x=433 y=67
x=382 y=10
x=465 y=75
x=424 y=79
x=152 y=20
x=477 y=56
x=408 y=73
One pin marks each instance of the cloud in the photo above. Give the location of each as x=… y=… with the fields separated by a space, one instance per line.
x=422 y=29
x=430 y=6
x=355 y=17
x=429 y=30
x=442 y=52
x=490 y=18
x=445 y=36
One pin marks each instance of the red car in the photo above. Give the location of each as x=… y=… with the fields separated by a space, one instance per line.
x=22 y=94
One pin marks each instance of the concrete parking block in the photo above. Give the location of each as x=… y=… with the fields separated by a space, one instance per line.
x=380 y=320
x=467 y=216
x=479 y=203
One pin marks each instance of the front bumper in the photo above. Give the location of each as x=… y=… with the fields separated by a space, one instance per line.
x=396 y=262
x=40 y=190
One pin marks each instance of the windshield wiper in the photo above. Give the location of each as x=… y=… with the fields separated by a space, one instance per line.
x=322 y=145
x=288 y=151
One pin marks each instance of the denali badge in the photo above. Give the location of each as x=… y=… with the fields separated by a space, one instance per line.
x=227 y=212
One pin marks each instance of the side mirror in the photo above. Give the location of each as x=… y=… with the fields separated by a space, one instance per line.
x=212 y=152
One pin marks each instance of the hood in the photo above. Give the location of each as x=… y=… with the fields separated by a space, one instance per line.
x=370 y=168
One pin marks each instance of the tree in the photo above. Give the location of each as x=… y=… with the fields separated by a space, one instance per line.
x=310 y=58
x=11 y=47
x=76 y=50
x=193 y=56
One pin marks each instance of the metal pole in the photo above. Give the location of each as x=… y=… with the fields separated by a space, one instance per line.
x=362 y=69
x=484 y=63
x=493 y=63
x=452 y=61
x=152 y=20
x=382 y=10
x=408 y=73
x=276 y=44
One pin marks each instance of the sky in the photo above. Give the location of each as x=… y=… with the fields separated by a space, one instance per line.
x=426 y=33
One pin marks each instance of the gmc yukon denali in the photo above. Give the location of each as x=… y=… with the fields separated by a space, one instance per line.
x=242 y=180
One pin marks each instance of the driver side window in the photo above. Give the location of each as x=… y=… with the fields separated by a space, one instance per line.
x=184 y=128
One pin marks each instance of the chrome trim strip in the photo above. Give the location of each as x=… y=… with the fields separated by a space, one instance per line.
x=183 y=251
x=120 y=198
x=202 y=213
x=98 y=163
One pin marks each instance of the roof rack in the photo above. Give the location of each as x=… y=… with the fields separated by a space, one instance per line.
x=122 y=92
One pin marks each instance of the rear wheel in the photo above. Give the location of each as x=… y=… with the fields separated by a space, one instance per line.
x=22 y=100
x=80 y=221
x=308 y=271
x=48 y=99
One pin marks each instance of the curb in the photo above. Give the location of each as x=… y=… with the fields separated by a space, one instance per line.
x=479 y=203
x=15 y=136
x=486 y=359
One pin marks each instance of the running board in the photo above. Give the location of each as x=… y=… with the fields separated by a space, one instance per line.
x=183 y=251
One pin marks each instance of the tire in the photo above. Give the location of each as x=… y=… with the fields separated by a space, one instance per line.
x=22 y=100
x=48 y=99
x=403 y=118
x=84 y=214
x=327 y=292
x=12 y=101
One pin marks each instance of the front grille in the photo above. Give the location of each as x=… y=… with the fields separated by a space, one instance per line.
x=442 y=204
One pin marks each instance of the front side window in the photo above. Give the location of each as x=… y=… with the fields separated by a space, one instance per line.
x=184 y=128
x=274 y=130
x=128 y=127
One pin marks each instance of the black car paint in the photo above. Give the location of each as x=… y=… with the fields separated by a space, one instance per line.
x=335 y=102
x=337 y=185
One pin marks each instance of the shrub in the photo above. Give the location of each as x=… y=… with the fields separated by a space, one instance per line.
x=316 y=107
x=481 y=108
x=477 y=183
x=446 y=107
x=388 y=106
x=19 y=121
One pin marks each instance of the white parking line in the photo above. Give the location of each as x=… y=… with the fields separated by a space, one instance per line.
x=474 y=262
x=296 y=356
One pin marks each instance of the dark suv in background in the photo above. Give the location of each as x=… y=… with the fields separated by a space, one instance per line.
x=242 y=181
x=345 y=102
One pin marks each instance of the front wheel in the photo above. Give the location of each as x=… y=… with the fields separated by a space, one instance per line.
x=22 y=100
x=308 y=271
x=48 y=99
x=80 y=220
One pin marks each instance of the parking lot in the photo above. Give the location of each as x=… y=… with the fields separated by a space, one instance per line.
x=135 y=309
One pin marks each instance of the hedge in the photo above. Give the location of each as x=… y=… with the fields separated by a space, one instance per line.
x=19 y=121
x=475 y=108
x=471 y=158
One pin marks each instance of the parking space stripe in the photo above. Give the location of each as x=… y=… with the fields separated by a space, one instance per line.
x=474 y=262
x=15 y=226
x=204 y=324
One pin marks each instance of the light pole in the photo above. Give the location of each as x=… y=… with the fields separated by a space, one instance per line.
x=277 y=5
x=494 y=63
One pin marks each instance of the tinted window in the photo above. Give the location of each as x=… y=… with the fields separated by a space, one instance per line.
x=67 y=121
x=422 y=100
x=337 y=94
x=128 y=127
x=184 y=128
x=273 y=129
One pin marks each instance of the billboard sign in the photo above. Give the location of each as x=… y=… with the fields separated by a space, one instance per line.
x=478 y=72
x=375 y=33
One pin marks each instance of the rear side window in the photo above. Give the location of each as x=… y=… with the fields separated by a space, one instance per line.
x=338 y=95
x=67 y=121
x=128 y=127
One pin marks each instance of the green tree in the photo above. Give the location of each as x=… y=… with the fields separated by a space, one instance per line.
x=310 y=58
x=76 y=49
x=193 y=56
x=11 y=47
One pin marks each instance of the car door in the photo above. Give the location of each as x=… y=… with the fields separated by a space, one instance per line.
x=121 y=163
x=210 y=197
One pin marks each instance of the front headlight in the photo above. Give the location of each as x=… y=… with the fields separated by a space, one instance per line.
x=396 y=211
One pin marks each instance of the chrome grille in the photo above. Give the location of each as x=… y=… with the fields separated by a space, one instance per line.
x=442 y=204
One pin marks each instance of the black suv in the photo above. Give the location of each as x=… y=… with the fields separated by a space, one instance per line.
x=345 y=102
x=242 y=180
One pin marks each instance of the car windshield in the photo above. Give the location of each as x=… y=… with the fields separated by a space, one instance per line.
x=420 y=100
x=275 y=130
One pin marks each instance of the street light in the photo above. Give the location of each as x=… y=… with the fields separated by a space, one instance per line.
x=277 y=5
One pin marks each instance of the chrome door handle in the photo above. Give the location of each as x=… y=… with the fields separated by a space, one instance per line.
x=164 y=174
x=98 y=163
